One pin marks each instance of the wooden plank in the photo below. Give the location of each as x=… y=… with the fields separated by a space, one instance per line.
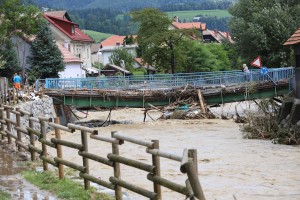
x=23 y=112
x=133 y=140
x=48 y=160
x=35 y=149
x=22 y=130
x=47 y=142
x=104 y=139
x=164 y=154
x=133 y=188
x=130 y=162
x=97 y=180
x=33 y=131
x=69 y=164
x=10 y=134
x=10 y=121
x=168 y=184
x=21 y=144
x=61 y=127
x=67 y=144
x=83 y=128
x=96 y=158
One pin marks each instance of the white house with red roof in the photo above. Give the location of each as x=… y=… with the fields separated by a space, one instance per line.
x=69 y=35
x=73 y=67
x=107 y=46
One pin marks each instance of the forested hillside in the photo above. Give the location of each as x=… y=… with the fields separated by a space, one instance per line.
x=102 y=15
x=128 y=5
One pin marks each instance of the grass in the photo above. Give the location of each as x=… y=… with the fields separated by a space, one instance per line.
x=4 y=195
x=97 y=36
x=65 y=188
x=189 y=15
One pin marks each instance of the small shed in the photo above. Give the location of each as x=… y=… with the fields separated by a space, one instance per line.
x=114 y=70
x=294 y=41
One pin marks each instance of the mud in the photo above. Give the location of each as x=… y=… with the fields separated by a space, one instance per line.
x=13 y=183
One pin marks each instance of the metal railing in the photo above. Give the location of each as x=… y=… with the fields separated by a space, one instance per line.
x=166 y=81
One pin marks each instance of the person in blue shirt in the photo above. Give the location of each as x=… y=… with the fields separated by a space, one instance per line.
x=17 y=81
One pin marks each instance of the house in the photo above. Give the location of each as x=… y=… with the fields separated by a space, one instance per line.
x=68 y=34
x=73 y=68
x=114 y=70
x=22 y=47
x=187 y=25
x=294 y=41
x=106 y=47
x=216 y=36
x=138 y=63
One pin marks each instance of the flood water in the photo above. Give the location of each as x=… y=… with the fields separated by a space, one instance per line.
x=12 y=182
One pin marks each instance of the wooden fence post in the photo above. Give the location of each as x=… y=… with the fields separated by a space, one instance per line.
x=44 y=147
x=156 y=163
x=32 y=140
x=59 y=149
x=117 y=170
x=18 y=119
x=192 y=153
x=5 y=91
x=192 y=172
x=84 y=159
x=2 y=122
x=8 y=125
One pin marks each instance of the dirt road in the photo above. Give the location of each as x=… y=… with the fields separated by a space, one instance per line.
x=229 y=166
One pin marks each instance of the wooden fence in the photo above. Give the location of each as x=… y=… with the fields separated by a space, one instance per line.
x=187 y=161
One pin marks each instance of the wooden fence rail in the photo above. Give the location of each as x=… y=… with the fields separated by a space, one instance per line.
x=187 y=162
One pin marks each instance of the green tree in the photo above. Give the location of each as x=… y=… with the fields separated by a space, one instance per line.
x=11 y=64
x=199 y=58
x=121 y=54
x=160 y=47
x=46 y=60
x=261 y=27
x=17 y=19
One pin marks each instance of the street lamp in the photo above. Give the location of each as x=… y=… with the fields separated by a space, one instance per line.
x=99 y=54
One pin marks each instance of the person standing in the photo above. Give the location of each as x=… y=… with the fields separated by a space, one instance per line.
x=247 y=72
x=25 y=78
x=17 y=81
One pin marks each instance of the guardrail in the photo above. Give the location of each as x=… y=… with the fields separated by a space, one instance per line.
x=166 y=81
x=187 y=162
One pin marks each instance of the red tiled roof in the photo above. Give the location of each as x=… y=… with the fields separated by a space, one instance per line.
x=219 y=35
x=294 y=39
x=189 y=25
x=67 y=55
x=60 y=13
x=143 y=65
x=113 y=40
x=65 y=26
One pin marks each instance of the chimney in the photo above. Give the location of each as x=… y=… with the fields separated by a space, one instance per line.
x=227 y=35
x=117 y=43
x=175 y=19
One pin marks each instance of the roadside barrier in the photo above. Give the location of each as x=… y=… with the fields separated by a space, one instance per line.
x=187 y=161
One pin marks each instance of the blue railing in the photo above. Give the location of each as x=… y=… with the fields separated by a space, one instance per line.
x=166 y=81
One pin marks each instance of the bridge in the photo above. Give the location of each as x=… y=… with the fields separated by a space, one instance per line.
x=162 y=89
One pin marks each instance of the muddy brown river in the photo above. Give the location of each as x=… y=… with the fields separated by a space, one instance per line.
x=12 y=182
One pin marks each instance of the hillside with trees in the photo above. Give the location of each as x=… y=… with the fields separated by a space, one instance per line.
x=128 y=5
